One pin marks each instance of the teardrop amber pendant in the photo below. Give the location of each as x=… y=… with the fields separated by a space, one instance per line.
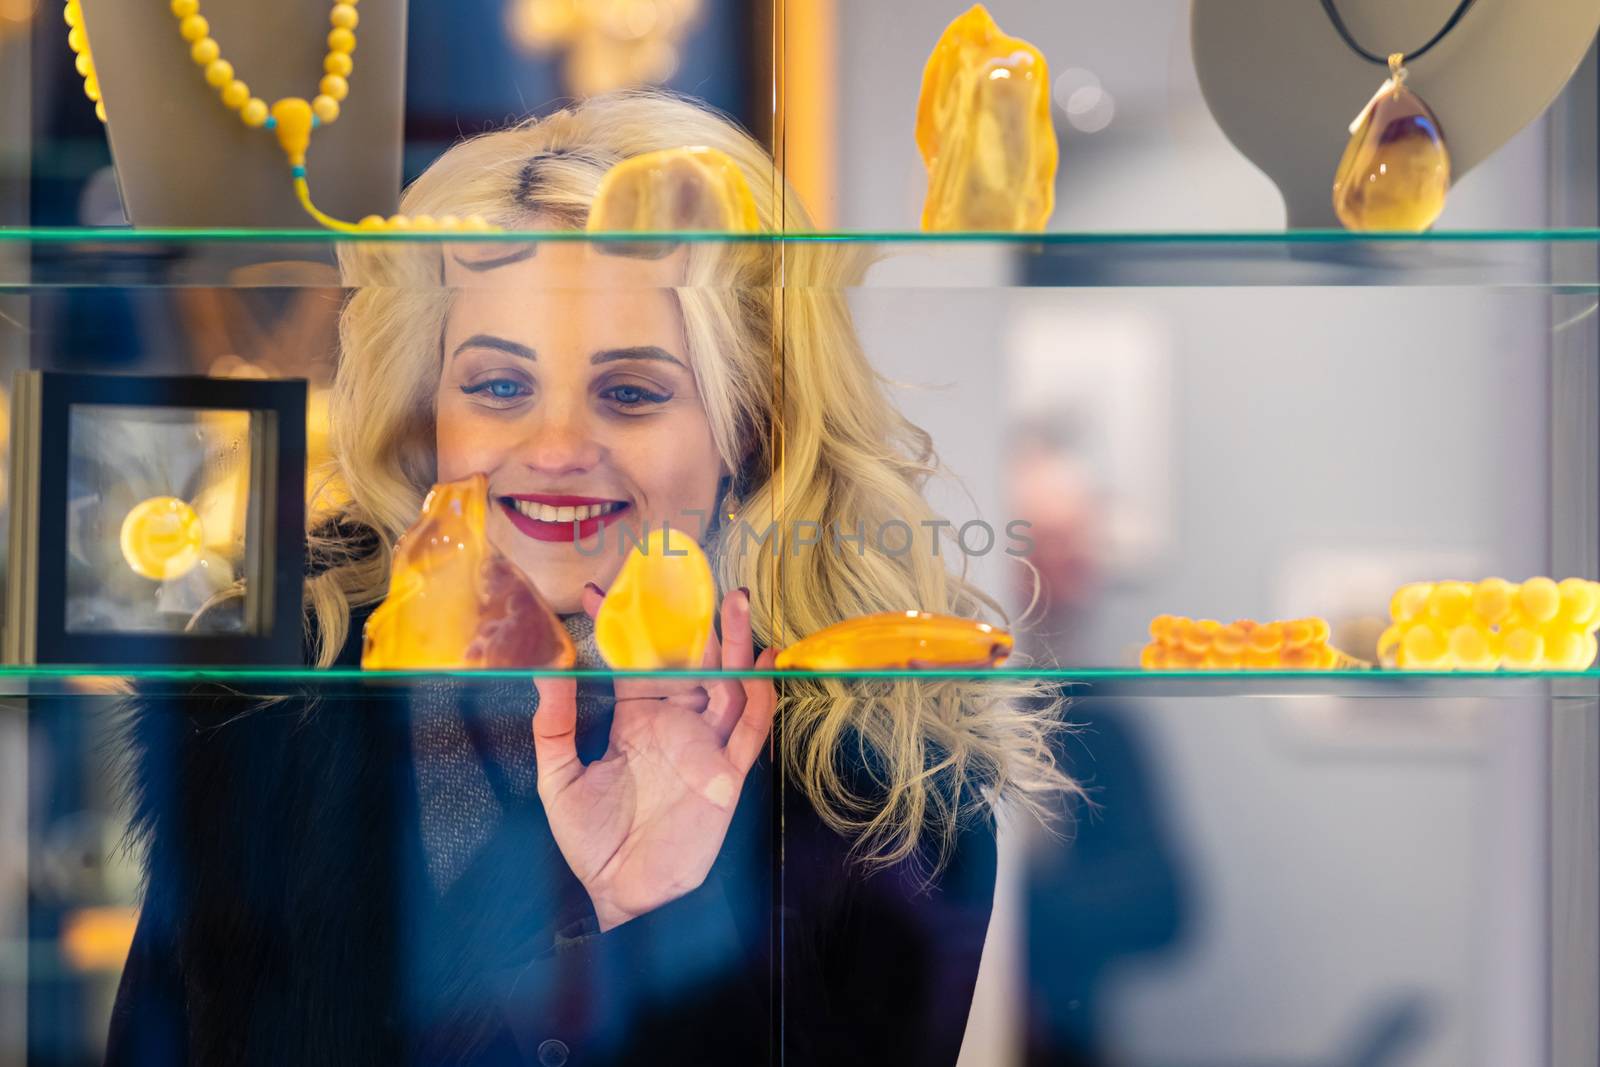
x=1396 y=170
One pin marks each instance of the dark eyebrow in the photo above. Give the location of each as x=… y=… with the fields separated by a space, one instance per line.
x=611 y=355
x=499 y=344
x=516 y=255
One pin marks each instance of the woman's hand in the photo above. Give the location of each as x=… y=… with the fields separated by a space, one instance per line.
x=641 y=826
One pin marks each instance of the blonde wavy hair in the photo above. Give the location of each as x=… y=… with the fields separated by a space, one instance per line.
x=797 y=412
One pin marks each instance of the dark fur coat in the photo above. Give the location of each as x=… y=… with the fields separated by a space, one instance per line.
x=289 y=916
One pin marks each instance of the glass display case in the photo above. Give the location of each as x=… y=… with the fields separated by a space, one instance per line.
x=1156 y=408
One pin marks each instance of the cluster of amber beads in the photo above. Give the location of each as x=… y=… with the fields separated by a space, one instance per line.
x=658 y=612
x=984 y=130
x=899 y=640
x=78 y=41
x=235 y=94
x=455 y=602
x=1481 y=626
x=675 y=189
x=1395 y=171
x=1177 y=643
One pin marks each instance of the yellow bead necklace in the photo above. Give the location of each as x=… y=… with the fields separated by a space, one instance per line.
x=292 y=119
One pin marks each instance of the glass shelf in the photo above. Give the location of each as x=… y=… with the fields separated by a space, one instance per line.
x=1553 y=260
x=1085 y=681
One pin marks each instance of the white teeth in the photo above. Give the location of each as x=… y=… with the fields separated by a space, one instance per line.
x=545 y=513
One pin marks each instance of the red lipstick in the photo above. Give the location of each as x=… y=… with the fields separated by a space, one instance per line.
x=571 y=531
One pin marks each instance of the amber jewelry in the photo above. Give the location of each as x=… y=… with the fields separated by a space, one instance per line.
x=292 y=119
x=455 y=602
x=675 y=189
x=899 y=640
x=78 y=41
x=1178 y=643
x=984 y=130
x=1395 y=170
x=658 y=613
x=1540 y=624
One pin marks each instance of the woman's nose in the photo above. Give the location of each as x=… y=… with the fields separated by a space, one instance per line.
x=560 y=440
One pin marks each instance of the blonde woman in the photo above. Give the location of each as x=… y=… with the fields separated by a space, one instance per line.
x=509 y=873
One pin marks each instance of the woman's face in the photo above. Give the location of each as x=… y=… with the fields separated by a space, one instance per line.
x=566 y=381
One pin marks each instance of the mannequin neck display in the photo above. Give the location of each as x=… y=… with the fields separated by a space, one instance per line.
x=183 y=159
x=1284 y=86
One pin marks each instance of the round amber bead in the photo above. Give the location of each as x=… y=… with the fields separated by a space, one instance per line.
x=194 y=28
x=334 y=86
x=341 y=40
x=184 y=8
x=205 y=51
x=325 y=108
x=338 y=63
x=1449 y=603
x=344 y=16
x=254 y=112
x=219 y=72
x=1539 y=599
x=236 y=95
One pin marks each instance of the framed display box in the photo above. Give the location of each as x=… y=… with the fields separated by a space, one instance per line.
x=156 y=520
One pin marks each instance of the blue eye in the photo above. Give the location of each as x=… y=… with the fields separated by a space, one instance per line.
x=498 y=388
x=635 y=395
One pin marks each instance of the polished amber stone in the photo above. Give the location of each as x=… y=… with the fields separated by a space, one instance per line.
x=657 y=614
x=1177 y=643
x=899 y=640
x=984 y=130
x=455 y=602
x=675 y=189
x=1396 y=170
x=162 y=538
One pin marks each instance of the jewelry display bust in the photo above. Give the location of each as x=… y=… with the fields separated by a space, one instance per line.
x=1492 y=74
x=182 y=159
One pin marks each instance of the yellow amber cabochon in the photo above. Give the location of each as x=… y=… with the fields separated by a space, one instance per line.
x=675 y=189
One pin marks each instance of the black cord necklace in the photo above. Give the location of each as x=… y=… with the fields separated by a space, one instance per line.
x=1355 y=46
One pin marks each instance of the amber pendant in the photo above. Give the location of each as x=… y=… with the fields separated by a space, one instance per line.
x=984 y=130
x=899 y=640
x=676 y=189
x=657 y=614
x=455 y=602
x=1395 y=171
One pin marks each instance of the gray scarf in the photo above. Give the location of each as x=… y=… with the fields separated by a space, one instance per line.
x=460 y=808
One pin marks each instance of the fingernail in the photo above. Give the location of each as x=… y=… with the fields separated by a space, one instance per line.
x=596 y=588
x=745 y=589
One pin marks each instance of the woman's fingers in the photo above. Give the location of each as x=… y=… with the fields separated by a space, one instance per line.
x=555 y=734
x=728 y=696
x=749 y=735
x=591 y=598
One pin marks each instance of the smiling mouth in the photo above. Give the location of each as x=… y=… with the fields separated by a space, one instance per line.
x=557 y=517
